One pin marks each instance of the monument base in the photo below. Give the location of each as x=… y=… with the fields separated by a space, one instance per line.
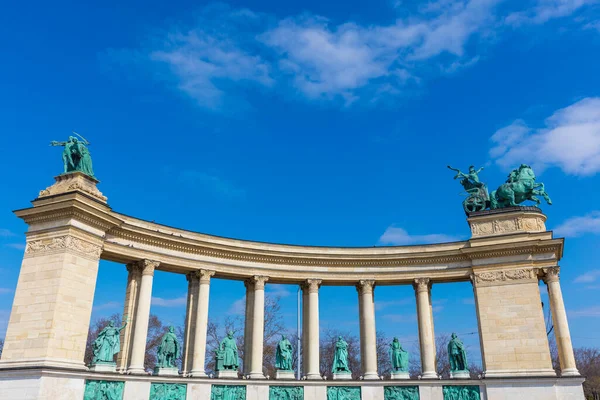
x=73 y=182
x=169 y=371
x=460 y=375
x=399 y=375
x=226 y=374
x=104 y=367
x=342 y=376
x=284 y=374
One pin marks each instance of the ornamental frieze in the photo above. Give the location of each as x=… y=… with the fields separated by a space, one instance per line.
x=66 y=242
x=505 y=276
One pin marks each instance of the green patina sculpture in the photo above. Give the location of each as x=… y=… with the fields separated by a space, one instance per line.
x=76 y=156
x=519 y=187
x=103 y=390
x=399 y=356
x=401 y=393
x=283 y=356
x=228 y=392
x=461 y=393
x=168 y=391
x=457 y=355
x=340 y=359
x=286 y=393
x=343 y=393
x=169 y=350
x=227 y=355
x=107 y=344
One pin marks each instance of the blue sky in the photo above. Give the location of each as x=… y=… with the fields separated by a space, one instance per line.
x=308 y=123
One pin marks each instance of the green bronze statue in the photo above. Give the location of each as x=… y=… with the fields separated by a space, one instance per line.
x=477 y=191
x=340 y=359
x=399 y=356
x=283 y=355
x=76 y=156
x=169 y=350
x=519 y=187
x=227 y=355
x=457 y=355
x=107 y=344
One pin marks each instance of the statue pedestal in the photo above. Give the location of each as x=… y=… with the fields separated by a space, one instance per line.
x=166 y=371
x=280 y=374
x=74 y=182
x=342 y=376
x=104 y=367
x=227 y=374
x=399 y=375
x=460 y=375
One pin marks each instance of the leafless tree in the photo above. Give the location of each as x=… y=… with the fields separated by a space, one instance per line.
x=1 y=346
x=384 y=362
x=588 y=363
x=441 y=355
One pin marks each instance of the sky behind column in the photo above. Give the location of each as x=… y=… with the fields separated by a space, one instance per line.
x=308 y=122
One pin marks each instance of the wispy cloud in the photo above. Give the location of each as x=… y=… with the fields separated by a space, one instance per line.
x=6 y=233
x=211 y=183
x=468 y=300
x=383 y=304
x=544 y=10
x=5 y=290
x=570 y=140
x=578 y=226
x=398 y=318
x=111 y=305
x=278 y=290
x=587 y=312
x=588 y=277
x=238 y=307
x=397 y=236
x=174 y=302
x=4 y=316
x=18 y=246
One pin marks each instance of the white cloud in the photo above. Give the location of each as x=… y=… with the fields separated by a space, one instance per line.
x=570 y=140
x=593 y=311
x=238 y=307
x=108 y=306
x=6 y=233
x=174 y=302
x=577 y=226
x=277 y=290
x=383 y=304
x=545 y=10
x=468 y=300
x=18 y=246
x=398 y=237
x=588 y=277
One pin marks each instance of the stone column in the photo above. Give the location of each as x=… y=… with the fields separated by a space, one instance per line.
x=312 y=340
x=426 y=337
x=304 y=328
x=129 y=315
x=201 y=324
x=561 y=326
x=249 y=283
x=138 y=349
x=258 y=328
x=368 y=337
x=190 y=322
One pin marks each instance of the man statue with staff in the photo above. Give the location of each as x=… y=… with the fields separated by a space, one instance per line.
x=76 y=156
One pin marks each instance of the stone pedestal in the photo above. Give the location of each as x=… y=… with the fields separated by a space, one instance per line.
x=342 y=376
x=161 y=371
x=226 y=374
x=104 y=367
x=74 y=182
x=460 y=375
x=284 y=374
x=399 y=375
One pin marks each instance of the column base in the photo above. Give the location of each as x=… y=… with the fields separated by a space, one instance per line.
x=104 y=367
x=511 y=373
x=284 y=375
x=371 y=376
x=226 y=374
x=429 y=375
x=137 y=371
x=313 y=377
x=399 y=375
x=198 y=374
x=460 y=375
x=570 y=372
x=166 y=371
x=256 y=375
x=342 y=376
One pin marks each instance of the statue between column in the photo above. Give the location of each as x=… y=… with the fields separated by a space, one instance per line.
x=106 y=345
x=340 y=367
x=226 y=358
x=283 y=359
x=76 y=156
x=169 y=351
x=399 y=358
x=457 y=355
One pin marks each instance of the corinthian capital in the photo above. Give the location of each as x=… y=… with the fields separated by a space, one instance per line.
x=259 y=282
x=313 y=285
x=134 y=268
x=148 y=266
x=551 y=274
x=204 y=275
x=422 y=284
x=365 y=286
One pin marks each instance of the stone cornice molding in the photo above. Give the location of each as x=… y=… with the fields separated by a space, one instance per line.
x=148 y=266
x=422 y=285
x=259 y=282
x=63 y=242
x=551 y=274
x=204 y=275
x=505 y=276
x=365 y=286
x=313 y=285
